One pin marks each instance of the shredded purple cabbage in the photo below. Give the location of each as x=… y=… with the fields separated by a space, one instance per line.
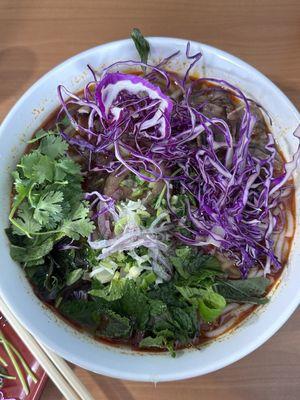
x=233 y=197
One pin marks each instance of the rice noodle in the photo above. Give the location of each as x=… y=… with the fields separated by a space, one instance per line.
x=223 y=328
x=279 y=245
x=285 y=250
x=229 y=307
x=289 y=232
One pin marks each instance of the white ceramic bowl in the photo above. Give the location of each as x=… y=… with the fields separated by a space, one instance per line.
x=27 y=115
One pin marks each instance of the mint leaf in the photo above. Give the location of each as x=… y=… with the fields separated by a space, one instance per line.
x=86 y=313
x=164 y=340
x=186 y=322
x=112 y=292
x=195 y=266
x=134 y=304
x=190 y=293
x=114 y=326
x=157 y=308
x=249 y=290
x=158 y=341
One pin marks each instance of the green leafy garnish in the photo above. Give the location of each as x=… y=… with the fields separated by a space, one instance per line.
x=211 y=305
x=113 y=325
x=74 y=276
x=77 y=223
x=195 y=267
x=141 y=44
x=249 y=290
x=112 y=292
x=48 y=209
x=47 y=204
x=53 y=146
x=33 y=250
x=86 y=313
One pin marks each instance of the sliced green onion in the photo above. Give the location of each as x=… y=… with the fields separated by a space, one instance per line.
x=160 y=197
x=8 y=350
x=3 y=362
x=6 y=376
x=23 y=362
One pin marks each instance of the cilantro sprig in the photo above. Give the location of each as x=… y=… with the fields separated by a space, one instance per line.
x=48 y=199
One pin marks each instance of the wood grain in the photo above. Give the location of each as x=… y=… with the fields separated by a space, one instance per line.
x=36 y=35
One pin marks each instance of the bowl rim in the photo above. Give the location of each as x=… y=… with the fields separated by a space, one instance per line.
x=195 y=371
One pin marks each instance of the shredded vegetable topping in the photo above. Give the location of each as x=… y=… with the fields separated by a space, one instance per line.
x=232 y=194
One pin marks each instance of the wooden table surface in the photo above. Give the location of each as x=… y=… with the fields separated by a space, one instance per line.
x=35 y=35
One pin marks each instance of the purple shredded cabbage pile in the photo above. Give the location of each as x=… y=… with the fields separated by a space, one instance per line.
x=232 y=194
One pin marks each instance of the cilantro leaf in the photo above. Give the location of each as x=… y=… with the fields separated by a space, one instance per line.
x=27 y=163
x=48 y=208
x=53 y=146
x=48 y=198
x=22 y=186
x=78 y=224
x=68 y=166
x=25 y=223
x=43 y=170
x=40 y=134
x=37 y=167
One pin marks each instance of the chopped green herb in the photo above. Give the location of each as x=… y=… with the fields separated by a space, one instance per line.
x=249 y=290
x=141 y=44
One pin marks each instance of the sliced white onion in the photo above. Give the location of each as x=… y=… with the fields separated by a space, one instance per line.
x=289 y=231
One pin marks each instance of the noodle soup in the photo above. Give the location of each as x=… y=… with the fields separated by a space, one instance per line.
x=153 y=209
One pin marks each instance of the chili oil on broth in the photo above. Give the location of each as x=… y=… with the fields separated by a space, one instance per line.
x=206 y=333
